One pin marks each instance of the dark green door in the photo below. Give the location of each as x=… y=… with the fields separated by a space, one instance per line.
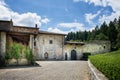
x=73 y=55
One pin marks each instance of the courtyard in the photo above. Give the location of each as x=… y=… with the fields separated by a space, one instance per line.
x=48 y=70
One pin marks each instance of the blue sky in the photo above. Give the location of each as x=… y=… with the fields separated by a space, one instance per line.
x=60 y=16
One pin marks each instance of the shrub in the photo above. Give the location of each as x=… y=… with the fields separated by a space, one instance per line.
x=108 y=64
x=15 y=51
x=29 y=56
x=85 y=55
x=8 y=55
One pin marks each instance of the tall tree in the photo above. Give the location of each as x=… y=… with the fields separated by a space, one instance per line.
x=118 y=36
x=101 y=36
x=104 y=29
x=85 y=35
x=112 y=34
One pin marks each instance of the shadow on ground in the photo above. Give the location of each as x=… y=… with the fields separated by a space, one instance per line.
x=20 y=66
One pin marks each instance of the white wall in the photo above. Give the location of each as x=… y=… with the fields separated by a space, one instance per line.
x=54 y=50
x=93 y=47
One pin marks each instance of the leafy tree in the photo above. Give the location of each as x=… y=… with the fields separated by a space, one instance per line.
x=109 y=31
x=118 y=36
x=97 y=30
x=101 y=36
x=104 y=29
x=85 y=35
x=112 y=34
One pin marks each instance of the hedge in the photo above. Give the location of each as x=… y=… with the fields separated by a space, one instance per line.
x=85 y=55
x=108 y=64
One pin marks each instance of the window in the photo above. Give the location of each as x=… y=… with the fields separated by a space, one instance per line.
x=34 y=43
x=104 y=47
x=51 y=42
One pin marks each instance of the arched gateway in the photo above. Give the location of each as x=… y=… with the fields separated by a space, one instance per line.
x=73 y=55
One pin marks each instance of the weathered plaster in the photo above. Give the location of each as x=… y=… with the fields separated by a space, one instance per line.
x=3 y=44
x=92 y=47
x=54 y=50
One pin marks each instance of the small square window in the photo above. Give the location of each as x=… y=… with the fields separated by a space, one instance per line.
x=50 y=41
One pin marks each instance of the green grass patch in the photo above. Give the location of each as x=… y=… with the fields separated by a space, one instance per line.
x=108 y=64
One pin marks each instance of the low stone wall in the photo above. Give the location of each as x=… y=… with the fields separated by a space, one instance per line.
x=13 y=62
x=94 y=73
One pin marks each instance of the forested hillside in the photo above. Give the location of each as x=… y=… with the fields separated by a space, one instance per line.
x=105 y=31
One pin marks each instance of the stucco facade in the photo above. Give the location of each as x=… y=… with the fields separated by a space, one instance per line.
x=49 y=46
x=92 y=47
x=95 y=47
x=73 y=46
x=10 y=34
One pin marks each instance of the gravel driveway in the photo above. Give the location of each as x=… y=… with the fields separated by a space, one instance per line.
x=48 y=70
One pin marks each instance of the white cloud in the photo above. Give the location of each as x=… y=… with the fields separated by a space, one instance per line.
x=74 y=26
x=115 y=5
x=76 y=0
x=24 y=19
x=109 y=18
x=96 y=2
x=89 y=17
x=45 y=20
x=116 y=8
x=56 y=30
x=80 y=0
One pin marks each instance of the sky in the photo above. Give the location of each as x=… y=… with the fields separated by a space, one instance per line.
x=61 y=16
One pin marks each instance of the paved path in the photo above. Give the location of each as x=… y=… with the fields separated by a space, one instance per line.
x=49 y=70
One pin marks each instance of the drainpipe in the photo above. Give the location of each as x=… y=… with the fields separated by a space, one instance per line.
x=62 y=48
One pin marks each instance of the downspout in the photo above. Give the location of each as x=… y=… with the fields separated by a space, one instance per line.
x=62 y=48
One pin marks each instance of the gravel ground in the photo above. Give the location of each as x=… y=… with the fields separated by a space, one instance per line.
x=48 y=70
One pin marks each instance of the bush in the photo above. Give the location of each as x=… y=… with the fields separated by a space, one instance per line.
x=16 y=51
x=13 y=51
x=85 y=55
x=8 y=55
x=29 y=56
x=108 y=64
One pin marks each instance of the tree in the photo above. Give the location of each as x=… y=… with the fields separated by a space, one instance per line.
x=101 y=36
x=85 y=35
x=112 y=34
x=104 y=32
x=104 y=29
x=118 y=36
x=97 y=31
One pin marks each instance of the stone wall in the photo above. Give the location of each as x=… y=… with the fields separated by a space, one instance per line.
x=3 y=44
x=2 y=48
x=96 y=47
x=50 y=44
x=93 y=47
x=69 y=47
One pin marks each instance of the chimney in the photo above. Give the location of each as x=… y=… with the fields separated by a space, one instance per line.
x=11 y=24
x=35 y=25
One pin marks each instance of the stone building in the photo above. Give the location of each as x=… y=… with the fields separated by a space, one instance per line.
x=46 y=45
x=10 y=34
x=75 y=50
x=49 y=46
